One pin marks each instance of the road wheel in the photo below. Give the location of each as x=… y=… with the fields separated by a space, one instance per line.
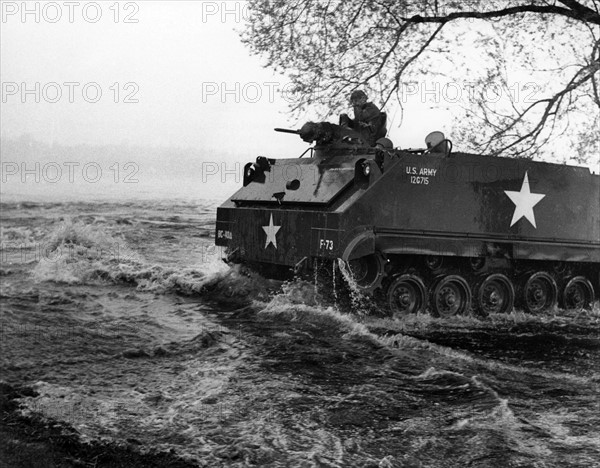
x=477 y=263
x=578 y=294
x=496 y=295
x=539 y=293
x=434 y=262
x=451 y=296
x=367 y=272
x=406 y=295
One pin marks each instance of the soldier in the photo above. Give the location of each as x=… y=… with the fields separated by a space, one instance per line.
x=369 y=121
x=383 y=147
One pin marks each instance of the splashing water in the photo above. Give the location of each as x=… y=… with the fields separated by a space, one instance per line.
x=79 y=253
x=76 y=252
x=121 y=357
x=360 y=303
x=18 y=237
x=334 y=285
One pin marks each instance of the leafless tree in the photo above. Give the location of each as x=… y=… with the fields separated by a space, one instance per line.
x=528 y=70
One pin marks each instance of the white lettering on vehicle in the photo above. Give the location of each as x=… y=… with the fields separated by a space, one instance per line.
x=325 y=244
x=419 y=180
x=420 y=175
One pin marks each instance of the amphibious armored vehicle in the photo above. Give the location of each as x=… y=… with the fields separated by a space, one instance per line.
x=430 y=228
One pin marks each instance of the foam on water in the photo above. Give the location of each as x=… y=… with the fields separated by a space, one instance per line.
x=21 y=237
x=188 y=390
x=294 y=301
x=78 y=253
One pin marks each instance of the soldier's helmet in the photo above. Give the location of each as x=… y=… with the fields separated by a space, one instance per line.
x=384 y=143
x=357 y=95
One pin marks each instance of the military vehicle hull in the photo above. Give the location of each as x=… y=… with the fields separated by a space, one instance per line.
x=448 y=233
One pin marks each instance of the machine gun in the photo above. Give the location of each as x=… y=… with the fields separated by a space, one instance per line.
x=324 y=133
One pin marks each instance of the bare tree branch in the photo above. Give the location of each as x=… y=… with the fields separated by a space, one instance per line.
x=327 y=48
x=551 y=109
x=590 y=16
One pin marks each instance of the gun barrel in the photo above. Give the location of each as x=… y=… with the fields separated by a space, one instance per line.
x=287 y=130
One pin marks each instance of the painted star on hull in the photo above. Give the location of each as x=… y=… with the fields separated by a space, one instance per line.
x=271 y=231
x=524 y=202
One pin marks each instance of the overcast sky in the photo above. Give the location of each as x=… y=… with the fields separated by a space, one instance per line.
x=180 y=76
x=153 y=73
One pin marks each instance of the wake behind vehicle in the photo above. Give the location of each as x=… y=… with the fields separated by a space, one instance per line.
x=428 y=229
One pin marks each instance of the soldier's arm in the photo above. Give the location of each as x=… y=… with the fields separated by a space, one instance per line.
x=370 y=114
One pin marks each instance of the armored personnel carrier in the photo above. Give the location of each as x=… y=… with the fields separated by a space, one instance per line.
x=426 y=229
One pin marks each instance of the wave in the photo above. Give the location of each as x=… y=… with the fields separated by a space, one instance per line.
x=18 y=237
x=297 y=301
x=78 y=253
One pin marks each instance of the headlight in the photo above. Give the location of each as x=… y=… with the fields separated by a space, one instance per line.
x=250 y=173
x=366 y=169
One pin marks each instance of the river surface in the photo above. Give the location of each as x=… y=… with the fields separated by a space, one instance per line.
x=123 y=318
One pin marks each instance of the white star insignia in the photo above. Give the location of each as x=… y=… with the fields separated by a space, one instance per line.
x=524 y=202
x=271 y=231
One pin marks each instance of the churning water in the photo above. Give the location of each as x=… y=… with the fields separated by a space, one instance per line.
x=131 y=329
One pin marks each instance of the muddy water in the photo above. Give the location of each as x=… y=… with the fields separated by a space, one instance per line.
x=126 y=323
